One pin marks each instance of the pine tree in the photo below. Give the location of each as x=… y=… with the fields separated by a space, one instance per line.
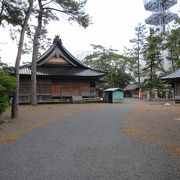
x=172 y=45
x=16 y=13
x=14 y=110
x=137 y=50
x=152 y=55
x=73 y=9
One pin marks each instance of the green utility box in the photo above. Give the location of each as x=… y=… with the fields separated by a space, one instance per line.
x=113 y=95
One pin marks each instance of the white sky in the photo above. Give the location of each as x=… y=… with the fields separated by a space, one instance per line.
x=113 y=26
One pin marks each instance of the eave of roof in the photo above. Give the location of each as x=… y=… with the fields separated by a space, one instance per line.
x=113 y=89
x=62 y=71
x=173 y=76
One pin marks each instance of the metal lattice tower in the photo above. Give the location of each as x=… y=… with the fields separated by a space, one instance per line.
x=160 y=17
x=160 y=12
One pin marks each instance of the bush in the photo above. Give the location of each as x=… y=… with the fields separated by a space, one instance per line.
x=7 y=88
x=3 y=103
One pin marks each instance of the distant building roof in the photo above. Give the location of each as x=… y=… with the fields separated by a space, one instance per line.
x=113 y=89
x=173 y=75
x=131 y=87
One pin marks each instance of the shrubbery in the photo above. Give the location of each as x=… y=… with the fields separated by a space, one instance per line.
x=7 y=88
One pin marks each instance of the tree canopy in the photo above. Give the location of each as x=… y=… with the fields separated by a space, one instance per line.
x=172 y=45
x=110 y=61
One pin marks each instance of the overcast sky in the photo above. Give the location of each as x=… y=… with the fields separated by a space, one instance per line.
x=113 y=26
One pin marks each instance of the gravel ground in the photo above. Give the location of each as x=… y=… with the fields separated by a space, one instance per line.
x=129 y=140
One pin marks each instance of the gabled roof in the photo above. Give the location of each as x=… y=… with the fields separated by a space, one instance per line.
x=173 y=75
x=57 y=49
x=131 y=87
x=58 y=61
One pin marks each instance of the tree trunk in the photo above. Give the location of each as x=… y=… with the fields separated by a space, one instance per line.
x=35 y=56
x=138 y=60
x=1 y=13
x=14 y=110
x=151 y=79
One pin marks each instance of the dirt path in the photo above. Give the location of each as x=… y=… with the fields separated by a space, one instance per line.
x=156 y=123
x=33 y=117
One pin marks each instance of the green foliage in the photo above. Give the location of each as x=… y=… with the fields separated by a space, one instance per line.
x=137 y=50
x=154 y=83
x=172 y=45
x=75 y=11
x=44 y=41
x=3 y=103
x=7 y=87
x=53 y=11
x=11 y=12
x=152 y=54
x=138 y=40
x=6 y=68
x=108 y=60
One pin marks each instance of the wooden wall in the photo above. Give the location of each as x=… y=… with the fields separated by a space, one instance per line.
x=24 y=90
x=49 y=89
x=70 y=87
x=177 y=91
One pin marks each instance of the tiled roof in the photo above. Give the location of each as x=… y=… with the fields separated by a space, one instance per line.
x=174 y=75
x=61 y=71
x=131 y=87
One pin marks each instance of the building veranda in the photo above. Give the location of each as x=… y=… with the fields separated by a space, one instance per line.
x=60 y=76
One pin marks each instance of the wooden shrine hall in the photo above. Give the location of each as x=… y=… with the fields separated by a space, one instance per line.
x=60 y=77
x=174 y=79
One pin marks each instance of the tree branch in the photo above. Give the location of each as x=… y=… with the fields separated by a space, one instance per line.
x=48 y=8
x=47 y=3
